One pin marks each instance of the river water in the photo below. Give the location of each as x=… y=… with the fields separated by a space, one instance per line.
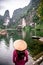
x=6 y=53
x=6 y=50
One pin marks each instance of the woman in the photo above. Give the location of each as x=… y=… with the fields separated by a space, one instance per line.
x=20 y=54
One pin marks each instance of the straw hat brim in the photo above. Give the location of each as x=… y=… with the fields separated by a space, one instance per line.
x=20 y=45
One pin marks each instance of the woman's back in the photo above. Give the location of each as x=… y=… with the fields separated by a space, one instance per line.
x=19 y=57
x=20 y=54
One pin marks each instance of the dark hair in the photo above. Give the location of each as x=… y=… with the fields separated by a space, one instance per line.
x=21 y=55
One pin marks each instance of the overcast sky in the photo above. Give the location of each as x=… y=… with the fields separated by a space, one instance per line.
x=11 y=5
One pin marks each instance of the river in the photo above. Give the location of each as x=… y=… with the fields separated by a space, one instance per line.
x=6 y=53
x=6 y=48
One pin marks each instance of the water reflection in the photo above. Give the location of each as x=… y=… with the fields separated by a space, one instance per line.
x=3 y=48
x=11 y=44
x=6 y=49
x=6 y=52
x=23 y=34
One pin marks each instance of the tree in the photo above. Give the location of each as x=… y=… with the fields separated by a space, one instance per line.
x=40 y=10
x=35 y=19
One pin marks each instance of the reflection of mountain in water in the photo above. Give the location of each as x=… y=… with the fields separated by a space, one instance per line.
x=6 y=53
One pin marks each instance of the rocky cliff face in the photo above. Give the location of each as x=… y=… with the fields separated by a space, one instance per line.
x=1 y=21
x=32 y=11
x=6 y=18
x=27 y=12
x=6 y=14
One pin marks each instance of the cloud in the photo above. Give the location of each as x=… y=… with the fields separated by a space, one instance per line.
x=1 y=4
x=12 y=5
x=3 y=1
x=1 y=7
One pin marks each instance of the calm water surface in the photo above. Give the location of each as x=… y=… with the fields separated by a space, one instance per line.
x=6 y=53
x=6 y=50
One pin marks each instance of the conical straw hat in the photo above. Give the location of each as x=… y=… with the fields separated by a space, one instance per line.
x=20 y=45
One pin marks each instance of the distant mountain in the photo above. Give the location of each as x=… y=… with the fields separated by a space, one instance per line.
x=18 y=13
x=31 y=11
x=6 y=14
x=27 y=12
x=1 y=21
x=4 y=20
x=35 y=3
x=1 y=17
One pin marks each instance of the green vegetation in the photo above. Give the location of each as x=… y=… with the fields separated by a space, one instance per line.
x=1 y=24
x=27 y=28
x=37 y=56
x=40 y=10
x=33 y=46
x=36 y=19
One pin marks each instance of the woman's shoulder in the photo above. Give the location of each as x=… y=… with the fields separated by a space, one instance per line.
x=26 y=52
x=15 y=52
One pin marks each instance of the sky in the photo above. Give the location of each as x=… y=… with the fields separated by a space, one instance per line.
x=12 y=5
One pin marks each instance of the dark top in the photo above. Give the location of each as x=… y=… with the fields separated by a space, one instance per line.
x=22 y=61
